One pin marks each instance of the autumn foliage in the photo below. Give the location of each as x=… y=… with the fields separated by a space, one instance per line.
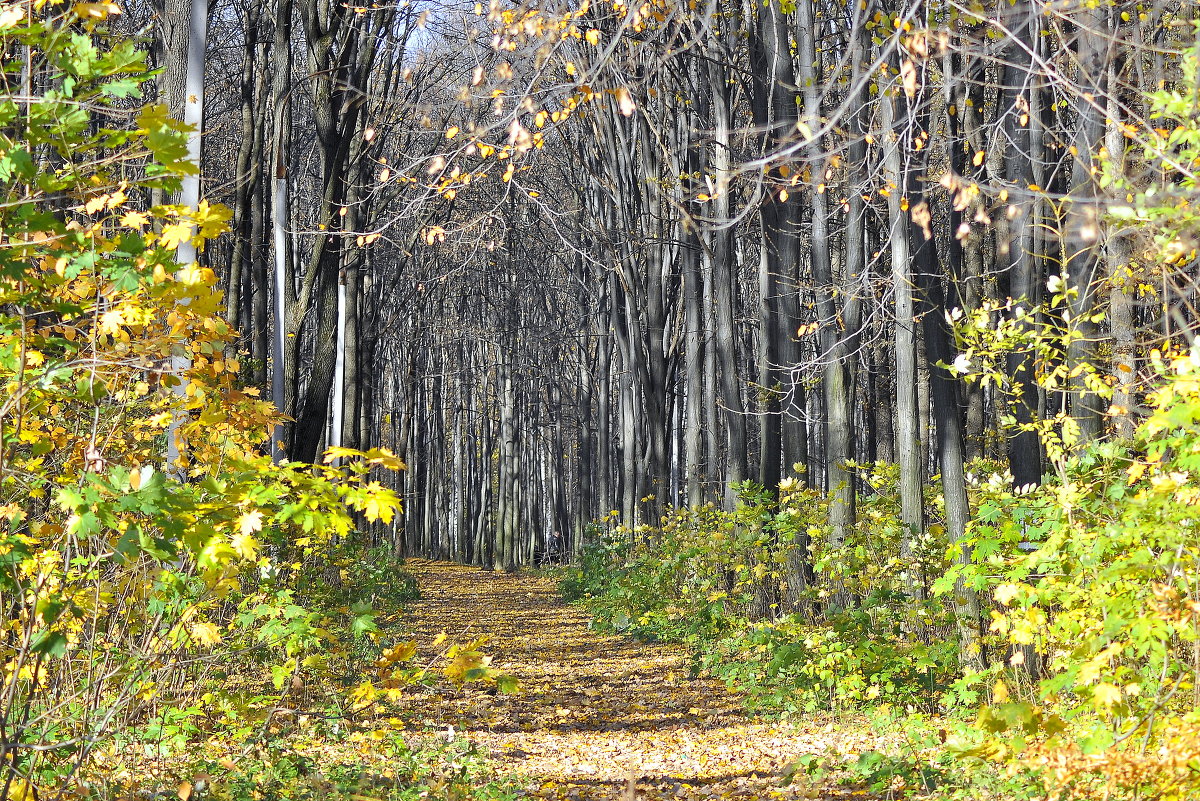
x=125 y=579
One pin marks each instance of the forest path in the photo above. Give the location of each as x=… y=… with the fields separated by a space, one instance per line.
x=599 y=716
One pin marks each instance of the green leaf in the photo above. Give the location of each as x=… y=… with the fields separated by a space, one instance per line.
x=17 y=162
x=50 y=643
x=124 y=87
x=165 y=139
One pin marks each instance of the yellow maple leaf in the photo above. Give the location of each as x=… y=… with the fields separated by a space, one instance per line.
x=245 y=546
x=384 y=458
x=135 y=219
x=111 y=322
x=401 y=652
x=467 y=665
x=96 y=11
x=1005 y=593
x=365 y=693
x=332 y=454
x=1106 y=696
x=380 y=503
x=212 y=219
x=206 y=633
x=175 y=234
x=21 y=790
x=250 y=522
x=192 y=275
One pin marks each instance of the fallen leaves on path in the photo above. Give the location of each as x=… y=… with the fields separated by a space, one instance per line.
x=600 y=716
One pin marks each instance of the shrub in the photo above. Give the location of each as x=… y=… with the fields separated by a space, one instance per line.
x=725 y=582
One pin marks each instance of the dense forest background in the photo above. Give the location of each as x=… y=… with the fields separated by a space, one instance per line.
x=572 y=260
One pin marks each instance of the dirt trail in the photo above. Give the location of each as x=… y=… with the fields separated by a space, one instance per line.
x=598 y=716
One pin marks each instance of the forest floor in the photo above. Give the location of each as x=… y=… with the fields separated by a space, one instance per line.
x=599 y=716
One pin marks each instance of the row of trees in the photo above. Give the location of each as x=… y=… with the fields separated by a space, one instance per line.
x=601 y=257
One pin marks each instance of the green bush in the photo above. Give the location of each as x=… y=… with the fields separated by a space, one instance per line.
x=793 y=665
x=349 y=574
x=590 y=575
x=1096 y=620
x=723 y=582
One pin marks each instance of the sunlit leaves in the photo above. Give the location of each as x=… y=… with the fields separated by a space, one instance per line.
x=115 y=555
x=162 y=138
x=135 y=219
x=377 y=503
x=244 y=545
x=175 y=234
x=96 y=11
x=205 y=633
x=466 y=663
x=401 y=652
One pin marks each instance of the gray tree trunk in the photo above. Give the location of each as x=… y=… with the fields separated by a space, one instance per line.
x=1121 y=304
x=908 y=435
x=1081 y=238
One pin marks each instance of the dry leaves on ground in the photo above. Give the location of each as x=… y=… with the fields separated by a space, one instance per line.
x=599 y=716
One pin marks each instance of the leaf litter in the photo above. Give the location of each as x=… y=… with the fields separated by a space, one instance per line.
x=598 y=716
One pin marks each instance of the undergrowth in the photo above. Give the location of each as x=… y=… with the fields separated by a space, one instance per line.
x=316 y=761
x=325 y=726
x=717 y=581
x=919 y=757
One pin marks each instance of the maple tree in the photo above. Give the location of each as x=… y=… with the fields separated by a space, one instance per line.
x=124 y=577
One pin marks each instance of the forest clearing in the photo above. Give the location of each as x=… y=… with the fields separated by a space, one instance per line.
x=570 y=399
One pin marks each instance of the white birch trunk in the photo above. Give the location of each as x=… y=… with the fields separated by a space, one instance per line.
x=278 y=372
x=193 y=116
x=339 y=369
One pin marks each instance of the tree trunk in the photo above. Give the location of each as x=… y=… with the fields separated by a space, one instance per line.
x=908 y=436
x=1016 y=254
